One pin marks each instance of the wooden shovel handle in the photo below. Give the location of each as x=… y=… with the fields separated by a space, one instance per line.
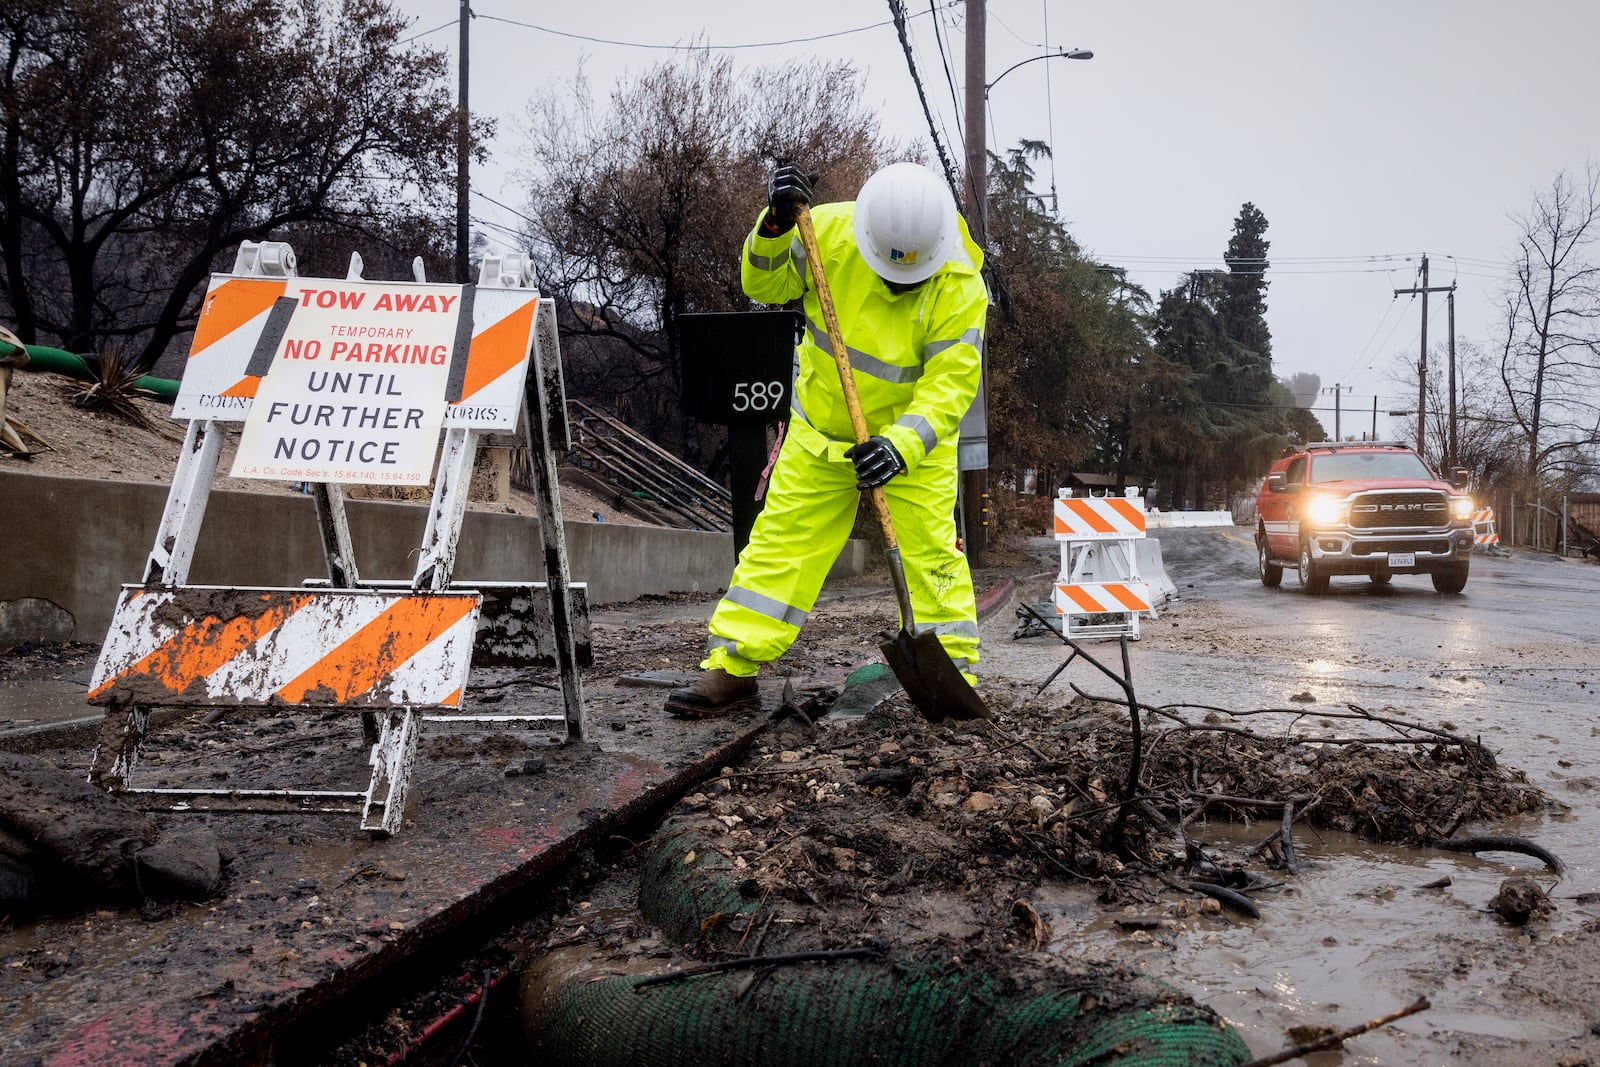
x=841 y=356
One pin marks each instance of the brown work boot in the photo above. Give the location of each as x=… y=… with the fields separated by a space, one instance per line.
x=716 y=694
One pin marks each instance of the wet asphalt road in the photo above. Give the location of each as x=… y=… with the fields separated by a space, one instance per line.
x=1530 y=595
x=1512 y=661
x=1514 y=656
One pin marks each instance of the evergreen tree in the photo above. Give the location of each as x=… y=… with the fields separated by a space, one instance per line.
x=1226 y=408
x=1242 y=297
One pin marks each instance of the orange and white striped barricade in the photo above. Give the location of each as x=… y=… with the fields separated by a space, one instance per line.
x=1484 y=532
x=394 y=653
x=333 y=379
x=1099 y=592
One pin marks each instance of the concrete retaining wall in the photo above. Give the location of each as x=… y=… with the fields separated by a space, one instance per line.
x=73 y=542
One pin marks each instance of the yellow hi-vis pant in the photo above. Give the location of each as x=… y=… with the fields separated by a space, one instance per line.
x=810 y=508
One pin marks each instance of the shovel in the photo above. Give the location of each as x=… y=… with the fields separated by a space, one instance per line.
x=919 y=661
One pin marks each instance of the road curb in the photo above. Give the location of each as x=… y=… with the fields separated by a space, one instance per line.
x=995 y=598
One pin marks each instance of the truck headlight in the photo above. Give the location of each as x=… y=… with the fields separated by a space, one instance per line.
x=1327 y=510
x=1461 y=508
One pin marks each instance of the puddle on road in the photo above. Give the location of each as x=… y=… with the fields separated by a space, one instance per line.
x=1354 y=937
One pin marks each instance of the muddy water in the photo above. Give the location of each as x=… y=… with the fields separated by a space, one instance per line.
x=1355 y=935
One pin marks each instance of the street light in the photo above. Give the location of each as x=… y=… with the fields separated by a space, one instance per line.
x=1064 y=53
x=977 y=139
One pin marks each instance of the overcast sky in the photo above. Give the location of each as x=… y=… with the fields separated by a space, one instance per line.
x=1367 y=131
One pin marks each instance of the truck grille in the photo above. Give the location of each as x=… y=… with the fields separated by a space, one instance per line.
x=1416 y=507
x=1439 y=546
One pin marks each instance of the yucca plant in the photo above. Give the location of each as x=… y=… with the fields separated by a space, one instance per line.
x=111 y=390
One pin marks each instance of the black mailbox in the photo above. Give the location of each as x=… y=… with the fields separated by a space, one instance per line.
x=737 y=366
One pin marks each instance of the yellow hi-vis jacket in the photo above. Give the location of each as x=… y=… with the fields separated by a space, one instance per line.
x=915 y=355
x=915 y=360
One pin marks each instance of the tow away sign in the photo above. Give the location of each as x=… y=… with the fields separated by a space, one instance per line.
x=355 y=390
x=247 y=323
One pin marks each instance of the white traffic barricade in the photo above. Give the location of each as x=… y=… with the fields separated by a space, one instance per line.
x=340 y=381
x=1099 y=592
x=1484 y=532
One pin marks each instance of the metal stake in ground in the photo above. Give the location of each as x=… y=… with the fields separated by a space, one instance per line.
x=919 y=661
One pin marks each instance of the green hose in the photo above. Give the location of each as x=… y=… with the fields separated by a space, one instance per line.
x=60 y=361
x=901 y=1010
x=851 y=1012
x=690 y=891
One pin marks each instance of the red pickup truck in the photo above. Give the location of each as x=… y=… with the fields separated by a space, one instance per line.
x=1362 y=507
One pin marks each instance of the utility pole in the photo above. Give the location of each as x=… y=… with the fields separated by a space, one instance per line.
x=1422 y=363
x=1336 y=433
x=1374 y=418
x=463 y=148
x=974 y=494
x=1451 y=299
x=973 y=459
x=977 y=136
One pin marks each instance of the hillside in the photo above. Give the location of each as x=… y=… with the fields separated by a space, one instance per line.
x=76 y=442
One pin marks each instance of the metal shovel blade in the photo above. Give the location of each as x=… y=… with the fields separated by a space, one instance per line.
x=931 y=681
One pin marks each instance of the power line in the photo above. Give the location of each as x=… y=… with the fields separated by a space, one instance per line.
x=507 y=230
x=995 y=17
x=1382 y=257
x=1393 y=303
x=1377 y=257
x=1273 y=271
x=686 y=47
x=1240 y=405
x=944 y=61
x=898 y=9
x=933 y=115
x=507 y=207
x=1385 y=342
x=424 y=33
x=1049 y=107
x=1478 y=262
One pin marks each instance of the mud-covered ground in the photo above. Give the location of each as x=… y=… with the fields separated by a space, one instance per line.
x=1009 y=843
x=976 y=840
x=960 y=841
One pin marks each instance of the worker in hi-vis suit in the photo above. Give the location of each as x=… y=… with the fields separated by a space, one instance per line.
x=904 y=275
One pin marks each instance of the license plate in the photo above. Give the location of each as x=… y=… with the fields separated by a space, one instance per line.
x=1402 y=559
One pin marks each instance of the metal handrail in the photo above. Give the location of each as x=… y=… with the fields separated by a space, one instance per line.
x=635 y=463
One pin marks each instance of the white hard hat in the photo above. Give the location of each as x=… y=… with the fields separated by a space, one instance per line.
x=905 y=223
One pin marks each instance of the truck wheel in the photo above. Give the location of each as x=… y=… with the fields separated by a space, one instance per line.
x=1451 y=581
x=1312 y=583
x=1382 y=577
x=1271 y=573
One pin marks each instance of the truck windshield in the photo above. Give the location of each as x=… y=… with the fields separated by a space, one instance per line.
x=1344 y=466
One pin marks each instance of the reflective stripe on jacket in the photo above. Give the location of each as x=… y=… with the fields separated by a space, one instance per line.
x=915 y=355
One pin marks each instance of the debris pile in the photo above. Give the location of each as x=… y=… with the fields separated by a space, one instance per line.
x=874 y=827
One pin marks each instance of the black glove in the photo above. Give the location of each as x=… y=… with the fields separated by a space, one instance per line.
x=788 y=186
x=876 y=462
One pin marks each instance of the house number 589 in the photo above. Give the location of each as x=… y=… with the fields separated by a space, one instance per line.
x=757 y=396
